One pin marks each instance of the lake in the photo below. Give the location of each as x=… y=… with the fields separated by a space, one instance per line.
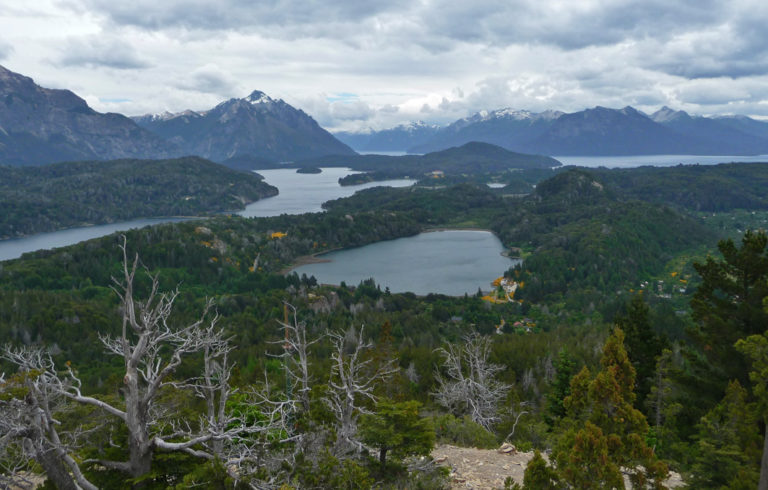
x=13 y=248
x=305 y=193
x=450 y=262
x=657 y=160
x=299 y=193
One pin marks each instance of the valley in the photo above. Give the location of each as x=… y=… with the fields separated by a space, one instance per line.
x=608 y=320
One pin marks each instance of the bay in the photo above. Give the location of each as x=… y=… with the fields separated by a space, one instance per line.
x=451 y=262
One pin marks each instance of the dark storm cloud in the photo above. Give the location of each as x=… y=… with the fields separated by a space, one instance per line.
x=234 y=14
x=98 y=51
x=568 y=25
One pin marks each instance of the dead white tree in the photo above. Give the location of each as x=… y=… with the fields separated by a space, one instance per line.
x=296 y=355
x=28 y=428
x=152 y=350
x=469 y=385
x=353 y=381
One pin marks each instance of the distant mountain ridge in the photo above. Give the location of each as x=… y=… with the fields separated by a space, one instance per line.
x=40 y=125
x=256 y=126
x=394 y=139
x=599 y=131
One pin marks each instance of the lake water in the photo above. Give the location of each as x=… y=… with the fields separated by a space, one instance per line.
x=657 y=160
x=450 y=262
x=299 y=193
x=305 y=193
x=11 y=249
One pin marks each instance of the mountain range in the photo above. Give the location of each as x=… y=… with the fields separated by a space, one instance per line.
x=394 y=139
x=40 y=125
x=598 y=131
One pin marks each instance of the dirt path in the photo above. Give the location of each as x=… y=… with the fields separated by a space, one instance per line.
x=488 y=468
x=481 y=468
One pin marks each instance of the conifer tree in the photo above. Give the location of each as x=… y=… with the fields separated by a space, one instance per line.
x=602 y=431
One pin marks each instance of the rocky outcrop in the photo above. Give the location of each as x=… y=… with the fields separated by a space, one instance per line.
x=40 y=126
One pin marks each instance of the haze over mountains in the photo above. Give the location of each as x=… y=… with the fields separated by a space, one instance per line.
x=599 y=131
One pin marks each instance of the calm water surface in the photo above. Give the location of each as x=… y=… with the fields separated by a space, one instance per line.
x=11 y=249
x=448 y=262
x=299 y=193
x=305 y=193
x=657 y=160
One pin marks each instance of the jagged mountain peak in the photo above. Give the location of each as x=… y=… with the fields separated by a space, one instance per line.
x=259 y=97
x=666 y=114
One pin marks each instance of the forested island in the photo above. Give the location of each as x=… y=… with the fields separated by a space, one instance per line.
x=63 y=195
x=635 y=343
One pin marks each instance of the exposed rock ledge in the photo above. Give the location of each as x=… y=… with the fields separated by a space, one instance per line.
x=488 y=468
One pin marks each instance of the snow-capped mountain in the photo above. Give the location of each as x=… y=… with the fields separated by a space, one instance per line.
x=395 y=139
x=254 y=126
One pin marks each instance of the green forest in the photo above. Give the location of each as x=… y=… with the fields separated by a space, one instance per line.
x=187 y=354
x=64 y=195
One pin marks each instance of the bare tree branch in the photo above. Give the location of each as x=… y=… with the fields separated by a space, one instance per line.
x=469 y=385
x=351 y=383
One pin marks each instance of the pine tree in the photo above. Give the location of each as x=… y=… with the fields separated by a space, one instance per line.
x=755 y=347
x=643 y=345
x=397 y=427
x=561 y=388
x=728 y=304
x=603 y=432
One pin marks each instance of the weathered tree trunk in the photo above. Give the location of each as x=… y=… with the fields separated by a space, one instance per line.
x=54 y=468
x=139 y=444
x=763 y=485
x=383 y=456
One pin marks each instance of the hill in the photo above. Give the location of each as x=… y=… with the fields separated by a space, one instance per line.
x=62 y=195
x=471 y=159
x=712 y=188
x=40 y=126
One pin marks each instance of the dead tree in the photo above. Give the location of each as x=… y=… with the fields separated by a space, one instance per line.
x=469 y=385
x=353 y=381
x=296 y=356
x=152 y=350
x=28 y=427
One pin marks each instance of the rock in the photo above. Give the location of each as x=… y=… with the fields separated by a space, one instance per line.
x=507 y=448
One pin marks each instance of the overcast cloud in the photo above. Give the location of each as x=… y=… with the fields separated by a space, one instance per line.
x=378 y=63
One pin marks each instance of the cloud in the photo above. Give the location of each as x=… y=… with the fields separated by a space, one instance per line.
x=233 y=14
x=101 y=51
x=211 y=79
x=5 y=50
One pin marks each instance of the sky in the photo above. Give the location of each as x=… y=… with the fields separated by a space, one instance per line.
x=363 y=64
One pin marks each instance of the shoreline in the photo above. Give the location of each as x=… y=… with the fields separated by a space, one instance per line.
x=316 y=258
x=93 y=225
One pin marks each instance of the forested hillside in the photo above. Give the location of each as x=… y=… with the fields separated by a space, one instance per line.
x=611 y=356
x=47 y=198
x=695 y=187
